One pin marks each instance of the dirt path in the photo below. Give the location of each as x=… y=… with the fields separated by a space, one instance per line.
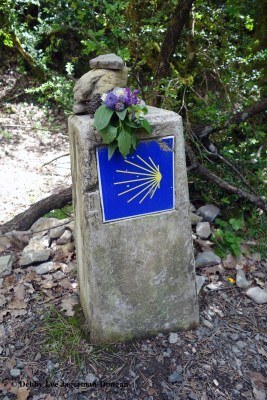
x=29 y=138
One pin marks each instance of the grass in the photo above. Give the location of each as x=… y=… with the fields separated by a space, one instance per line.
x=64 y=336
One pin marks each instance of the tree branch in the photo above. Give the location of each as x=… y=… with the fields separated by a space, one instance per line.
x=24 y=220
x=195 y=165
x=206 y=130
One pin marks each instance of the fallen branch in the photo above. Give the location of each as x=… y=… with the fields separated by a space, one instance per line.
x=24 y=220
x=195 y=165
x=54 y=159
x=206 y=130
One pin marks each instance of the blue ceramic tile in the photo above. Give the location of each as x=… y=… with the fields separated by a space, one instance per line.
x=142 y=183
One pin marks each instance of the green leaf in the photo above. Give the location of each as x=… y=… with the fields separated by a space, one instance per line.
x=102 y=117
x=124 y=142
x=236 y=223
x=134 y=141
x=111 y=149
x=109 y=133
x=122 y=114
x=146 y=125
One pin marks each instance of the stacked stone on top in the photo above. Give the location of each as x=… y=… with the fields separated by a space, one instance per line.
x=108 y=71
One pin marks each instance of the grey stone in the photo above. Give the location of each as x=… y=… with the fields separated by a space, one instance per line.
x=136 y=276
x=257 y=294
x=44 y=224
x=19 y=238
x=207 y=259
x=15 y=372
x=70 y=225
x=107 y=61
x=241 y=280
x=98 y=81
x=55 y=233
x=20 y=364
x=203 y=230
x=6 y=263
x=175 y=377
x=194 y=218
x=200 y=280
x=44 y=268
x=65 y=238
x=241 y=344
x=209 y=212
x=1 y=349
x=234 y=336
x=80 y=107
x=192 y=208
x=207 y=323
x=32 y=256
x=5 y=243
x=90 y=378
x=173 y=338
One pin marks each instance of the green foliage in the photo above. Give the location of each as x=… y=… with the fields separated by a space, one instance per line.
x=63 y=336
x=117 y=127
x=226 y=236
x=61 y=213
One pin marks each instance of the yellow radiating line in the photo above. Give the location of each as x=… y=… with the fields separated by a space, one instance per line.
x=153 y=163
x=157 y=187
x=136 y=187
x=138 y=166
x=141 y=191
x=149 y=191
x=133 y=180
x=152 y=169
x=133 y=173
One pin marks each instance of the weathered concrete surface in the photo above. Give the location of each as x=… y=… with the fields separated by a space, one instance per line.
x=136 y=275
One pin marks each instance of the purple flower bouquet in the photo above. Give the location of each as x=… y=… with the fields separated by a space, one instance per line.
x=117 y=117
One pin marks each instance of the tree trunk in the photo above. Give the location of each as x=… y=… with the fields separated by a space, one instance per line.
x=178 y=20
x=24 y=220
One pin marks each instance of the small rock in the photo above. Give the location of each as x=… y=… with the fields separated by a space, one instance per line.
x=209 y=212
x=194 y=218
x=19 y=238
x=65 y=238
x=203 y=230
x=200 y=280
x=241 y=280
x=5 y=243
x=234 y=336
x=38 y=357
x=241 y=344
x=6 y=263
x=59 y=275
x=235 y=350
x=173 y=338
x=175 y=377
x=33 y=256
x=20 y=364
x=256 y=256
x=207 y=323
x=207 y=259
x=1 y=349
x=90 y=378
x=15 y=372
x=45 y=224
x=44 y=268
x=57 y=232
x=257 y=294
x=70 y=226
x=192 y=207
x=107 y=61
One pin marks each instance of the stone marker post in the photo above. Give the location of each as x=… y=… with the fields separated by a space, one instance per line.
x=132 y=231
